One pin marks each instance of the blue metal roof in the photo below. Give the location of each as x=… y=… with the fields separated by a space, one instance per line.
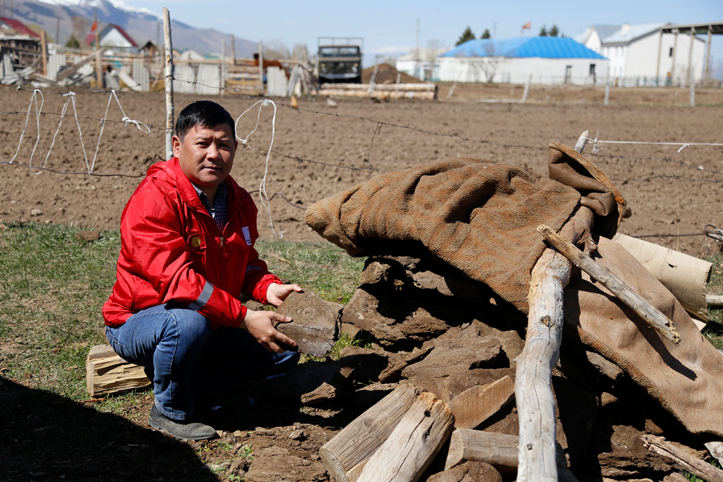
x=542 y=47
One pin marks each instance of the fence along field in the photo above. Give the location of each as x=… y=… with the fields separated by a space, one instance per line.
x=320 y=150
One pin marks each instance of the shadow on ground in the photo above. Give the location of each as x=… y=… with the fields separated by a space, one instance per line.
x=47 y=437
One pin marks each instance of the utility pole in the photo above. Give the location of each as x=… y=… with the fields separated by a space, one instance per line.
x=494 y=29
x=416 y=52
x=57 y=30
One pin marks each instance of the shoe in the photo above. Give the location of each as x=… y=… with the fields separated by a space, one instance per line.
x=181 y=429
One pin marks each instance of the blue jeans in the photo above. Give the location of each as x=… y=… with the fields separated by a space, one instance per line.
x=182 y=355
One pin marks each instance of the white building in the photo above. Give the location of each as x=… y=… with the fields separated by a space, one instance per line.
x=543 y=60
x=419 y=63
x=648 y=54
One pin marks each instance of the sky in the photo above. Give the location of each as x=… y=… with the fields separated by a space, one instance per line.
x=389 y=28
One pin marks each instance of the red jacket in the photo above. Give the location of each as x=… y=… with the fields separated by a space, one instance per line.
x=172 y=250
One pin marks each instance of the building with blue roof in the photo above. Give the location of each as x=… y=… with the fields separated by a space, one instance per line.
x=543 y=60
x=644 y=54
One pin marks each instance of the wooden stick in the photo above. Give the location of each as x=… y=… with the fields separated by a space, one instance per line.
x=533 y=381
x=413 y=444
x=168 y=74
x=44 y=41
x=605 y=277
x=359 y=440
x=477 y=404
x=693 y=465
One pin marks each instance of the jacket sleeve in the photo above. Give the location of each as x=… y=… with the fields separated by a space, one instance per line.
x=157 y=252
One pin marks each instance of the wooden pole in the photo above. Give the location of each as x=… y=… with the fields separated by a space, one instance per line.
x=604 y=276
x=222 y=73
x=607 y=94
x=233 y=50
x=44 y=41
x=692 y=464
x=690 y=54
x=706 y=67
x=660 y=48
x=533 y=381
x=99 y=68
x=168 y=76
x=261 y=68
x=413 y=444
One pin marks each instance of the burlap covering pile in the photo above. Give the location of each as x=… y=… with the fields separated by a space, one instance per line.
x=482 y=217
x=477 y=216
x=686 y=379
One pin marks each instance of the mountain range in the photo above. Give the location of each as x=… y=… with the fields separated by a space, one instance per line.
x=62 y=18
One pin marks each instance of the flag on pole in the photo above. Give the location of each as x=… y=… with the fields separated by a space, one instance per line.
x=527 y=26
x=95 y=26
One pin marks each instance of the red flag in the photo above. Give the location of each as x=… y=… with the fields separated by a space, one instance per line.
x=95 y=26
x=527 y=26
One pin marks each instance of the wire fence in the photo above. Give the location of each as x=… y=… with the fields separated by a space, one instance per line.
x=39 y=163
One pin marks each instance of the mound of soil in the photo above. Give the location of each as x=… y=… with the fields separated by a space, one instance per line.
x=387 y=74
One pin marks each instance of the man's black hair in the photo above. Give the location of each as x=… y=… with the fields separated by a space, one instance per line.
x=204 y=113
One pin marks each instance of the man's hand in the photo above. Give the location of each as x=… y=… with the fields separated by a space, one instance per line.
x=277 y=293
x=260 y=325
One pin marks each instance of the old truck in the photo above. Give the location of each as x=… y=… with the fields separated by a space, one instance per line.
x=339 y=60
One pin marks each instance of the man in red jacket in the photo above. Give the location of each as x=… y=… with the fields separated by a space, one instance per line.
x=187 y=255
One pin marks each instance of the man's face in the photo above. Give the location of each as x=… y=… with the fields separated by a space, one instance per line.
x=206 y=154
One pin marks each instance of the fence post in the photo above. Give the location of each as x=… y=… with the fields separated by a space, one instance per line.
x=168 y=73
x=261 y=68
x=607 y=94
x=692 y=91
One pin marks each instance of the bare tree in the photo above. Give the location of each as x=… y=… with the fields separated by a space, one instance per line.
x=276 y=50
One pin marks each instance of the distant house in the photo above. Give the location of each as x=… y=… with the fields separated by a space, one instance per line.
x=420 y=63
x=546 y=60
x=149 y=49
x=113 y=37
x=643 y=55
x=9 y=27
x=190 y=55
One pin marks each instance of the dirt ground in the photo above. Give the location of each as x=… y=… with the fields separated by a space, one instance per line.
x=320 y=150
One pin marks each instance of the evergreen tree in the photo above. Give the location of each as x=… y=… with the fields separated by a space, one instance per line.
x=486 y=34
x=543 y=32
x=554 y=31
x=72 y=43
x=466 y=35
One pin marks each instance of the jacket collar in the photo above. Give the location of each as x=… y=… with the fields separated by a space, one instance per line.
x=175 y=176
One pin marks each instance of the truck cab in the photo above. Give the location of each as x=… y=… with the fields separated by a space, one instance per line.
x=339 y=60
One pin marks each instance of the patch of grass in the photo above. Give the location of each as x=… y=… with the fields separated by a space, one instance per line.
x=321 y=267
x=53 y=286
x=714 y=331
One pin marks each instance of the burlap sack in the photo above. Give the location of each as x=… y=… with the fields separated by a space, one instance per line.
x=686 y=379
x=478 y=216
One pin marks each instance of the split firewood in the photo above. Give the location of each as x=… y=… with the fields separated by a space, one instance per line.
x=690 y=463
x=413 y=444
x=108 y=373
x=477 y=404
x=359 y=440
x=604 y=276
x=497 y=449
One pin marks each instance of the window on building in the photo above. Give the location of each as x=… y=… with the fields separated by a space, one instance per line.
x=592 y=69
x=670 y=54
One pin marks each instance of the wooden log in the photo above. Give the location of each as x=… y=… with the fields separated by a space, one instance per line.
x=693 y=465
x=714 y=301
x=108 y=373
x=377 y=94
x=604 y=276
x=533 y=381
x=413 y=444
x=477 y=404
x=497 y=449
x=381 y=87
x=358 y=441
